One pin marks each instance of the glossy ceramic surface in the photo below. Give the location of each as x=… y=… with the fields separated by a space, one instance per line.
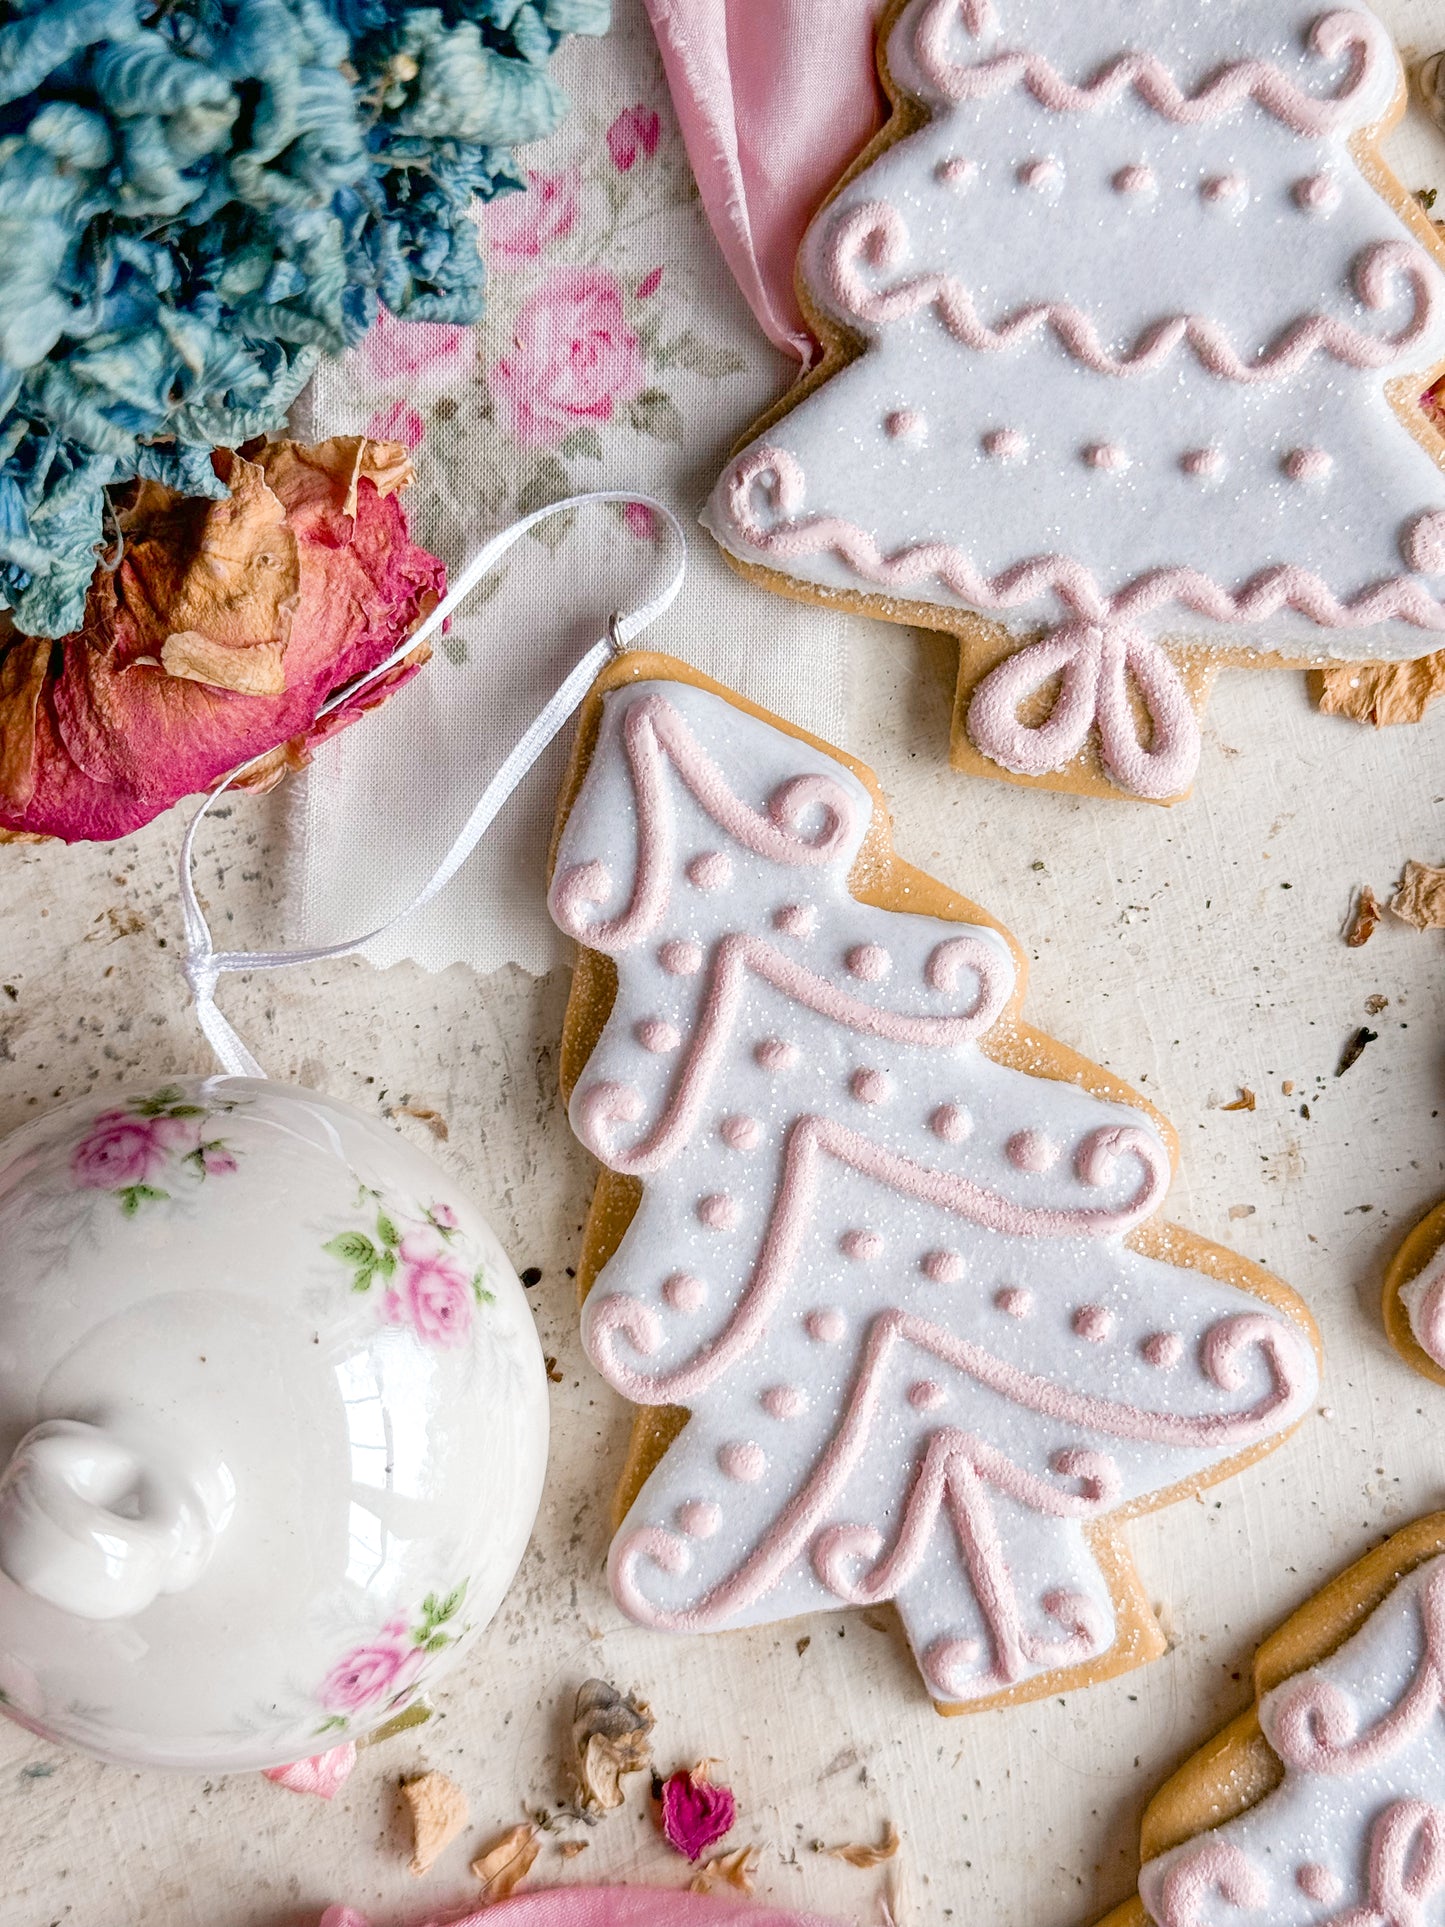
x=273 y=1420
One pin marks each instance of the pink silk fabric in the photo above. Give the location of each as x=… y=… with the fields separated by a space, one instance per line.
x=774 y=98
x=611 y=1907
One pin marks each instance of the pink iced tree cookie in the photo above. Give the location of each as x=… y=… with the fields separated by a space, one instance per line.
x=1127 y=354
x=894 y=1253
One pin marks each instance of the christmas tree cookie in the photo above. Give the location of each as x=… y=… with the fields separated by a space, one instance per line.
x=883 y=1265
x=1126 y=330
x=1324 y=1804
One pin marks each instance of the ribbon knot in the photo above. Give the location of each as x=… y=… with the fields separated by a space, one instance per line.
x=1096 y=660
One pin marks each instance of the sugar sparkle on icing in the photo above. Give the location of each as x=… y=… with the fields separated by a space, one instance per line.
x=972 y=1516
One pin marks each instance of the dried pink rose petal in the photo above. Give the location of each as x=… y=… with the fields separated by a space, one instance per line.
x=224 y=629
x=694 y=1812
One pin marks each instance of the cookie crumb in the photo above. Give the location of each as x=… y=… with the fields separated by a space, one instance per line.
x=1244 y=1102
x=439 y=1811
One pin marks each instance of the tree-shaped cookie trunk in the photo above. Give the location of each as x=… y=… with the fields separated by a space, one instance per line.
x=1324 y=1804
x=1127 y=328
x=893 y=1253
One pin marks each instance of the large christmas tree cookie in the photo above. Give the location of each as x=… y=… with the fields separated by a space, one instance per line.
x=1324 y=1804
x=883 y=1263
x=1127 y=327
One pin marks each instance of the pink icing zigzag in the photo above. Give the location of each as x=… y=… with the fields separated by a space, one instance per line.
x=874 y=235
x=604 y=1104
x=652 y=733
x=810 y=1139
x=779 y=476
x=1357 y=34
x=956 y=1471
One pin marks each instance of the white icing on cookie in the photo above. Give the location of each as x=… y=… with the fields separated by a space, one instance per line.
x=1166 y=247
x=949 y=1230
x=1360 y=1815
x=1424 y=1302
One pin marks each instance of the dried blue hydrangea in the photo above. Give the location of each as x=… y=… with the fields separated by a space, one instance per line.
x=198 y=198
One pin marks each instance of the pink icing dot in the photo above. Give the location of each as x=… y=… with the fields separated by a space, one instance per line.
x=870 y=1086
x=950 y=1122
x=1318 y=1883
x=684 y=1292
x=1163 y=1349
x=1106 y=455
x=941 y=1267
x=656 y=1034
x=1136 y=178
x=680 y=958
x=1041 y=172
x=740 y=1132
x=699 y=1518
x=1014 y=1300
x=1093 y=1322
x=743 y=1460
x=1202 y=461
x=776 y=1054
x=1004 y=444
x=870 y=961
x=1224 y=187
x=1307 y=464
x=863 y=1245
x=784 y=1401
x=712 y=870
x=1317 y=193
x=796 y=920
x=1031 y=1151
x=825 y=1324
x=905 y=425
x=956 y=173
x=926 y=1395
x=1425 y=543
x=718 y=1211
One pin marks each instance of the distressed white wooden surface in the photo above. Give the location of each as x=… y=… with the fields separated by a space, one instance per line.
x=1194 y=952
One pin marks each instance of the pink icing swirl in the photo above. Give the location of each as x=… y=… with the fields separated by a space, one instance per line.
x=1356 y=37
x=871 y=237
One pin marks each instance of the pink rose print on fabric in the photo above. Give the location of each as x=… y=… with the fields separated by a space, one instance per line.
x=378 y=1670
x=634 y=133
x=649 y=284
x=433 y=1295
x=121 y=1149
x=398 y=422
x=519 y=226
x=396 y=350
x=573 y=358
x=640 y=521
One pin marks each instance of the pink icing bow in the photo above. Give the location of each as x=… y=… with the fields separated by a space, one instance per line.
x=612 y=1907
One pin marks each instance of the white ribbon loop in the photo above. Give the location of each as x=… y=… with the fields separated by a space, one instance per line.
x=204 y=965
x=1096 y=660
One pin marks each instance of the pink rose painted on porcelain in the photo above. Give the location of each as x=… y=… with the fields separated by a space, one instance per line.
x=397 y=350
x=634 y=133
x=519 y=227
x=379 y=1669
x=121 y=1149
x=573 y=358
x=434 y=1294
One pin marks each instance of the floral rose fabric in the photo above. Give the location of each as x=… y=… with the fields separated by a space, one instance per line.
x=574 y=357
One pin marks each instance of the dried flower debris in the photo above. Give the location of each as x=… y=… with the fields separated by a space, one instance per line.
x=611 y=1737
x=1354 y=1049
x=505 y=1864
x=857 y=1854
x=737 y=1869
x=694 y=1811
x=439 y=1812
x=1381 y=693
x=1420 y=898
x=1364 y=915
x=1244 y=1102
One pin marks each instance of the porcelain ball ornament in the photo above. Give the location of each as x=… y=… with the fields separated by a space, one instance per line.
x=273 y=1420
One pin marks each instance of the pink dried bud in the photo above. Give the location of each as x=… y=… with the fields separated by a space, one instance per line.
x=694 y=1812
